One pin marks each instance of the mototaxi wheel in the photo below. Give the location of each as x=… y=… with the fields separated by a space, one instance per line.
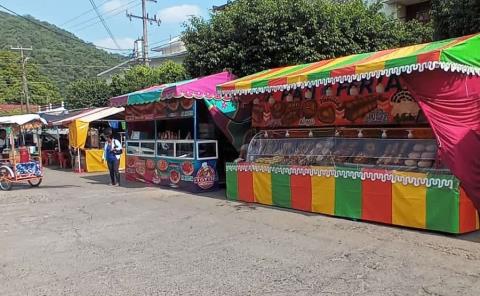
x=5 y=181
x=35 y=182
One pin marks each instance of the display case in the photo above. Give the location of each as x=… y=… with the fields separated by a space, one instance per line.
x=416 y=155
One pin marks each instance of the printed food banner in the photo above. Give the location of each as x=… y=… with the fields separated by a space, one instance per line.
x=173 y=108
x=374 y=101
x=189 y=175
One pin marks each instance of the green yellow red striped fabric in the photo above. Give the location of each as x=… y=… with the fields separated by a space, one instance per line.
x=351 y=194
x=457 y=54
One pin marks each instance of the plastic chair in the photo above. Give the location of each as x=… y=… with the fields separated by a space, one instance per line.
x=44 y=158
x=62 y=160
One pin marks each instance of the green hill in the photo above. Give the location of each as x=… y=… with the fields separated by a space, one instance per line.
x=61 y=59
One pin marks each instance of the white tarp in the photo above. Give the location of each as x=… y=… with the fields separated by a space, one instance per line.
x=90 y=115
x=21 y=119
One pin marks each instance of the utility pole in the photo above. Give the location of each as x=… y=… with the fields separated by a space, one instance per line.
x=145 y=18
x=24 y=60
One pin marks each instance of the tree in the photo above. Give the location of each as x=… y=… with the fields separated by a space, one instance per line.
x=88 y=92
x=94 y=92
x=41 y=89
x=140 y=77
x=60 y=55
x=253 y=35
x=453 y=18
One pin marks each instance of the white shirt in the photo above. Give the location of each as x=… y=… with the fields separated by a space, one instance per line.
x=115 y=144
x=2 y=143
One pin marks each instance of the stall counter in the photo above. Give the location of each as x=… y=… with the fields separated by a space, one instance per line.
x=95 y=163
x=417 y=200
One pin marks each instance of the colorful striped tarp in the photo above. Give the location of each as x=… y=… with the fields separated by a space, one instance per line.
x=415 y=200
x=457 y=54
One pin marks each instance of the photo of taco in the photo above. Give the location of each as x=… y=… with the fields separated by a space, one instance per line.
x=174 y=176
x=162 y=165
x=326 y=114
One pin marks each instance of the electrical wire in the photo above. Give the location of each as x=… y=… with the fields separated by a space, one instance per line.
x=104 y=23
x=82 y=14
x=59 y=33
x=109 y=17
x=110 y=13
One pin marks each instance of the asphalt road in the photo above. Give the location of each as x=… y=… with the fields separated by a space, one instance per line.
x=77 y=236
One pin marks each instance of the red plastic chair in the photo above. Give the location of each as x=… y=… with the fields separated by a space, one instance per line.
x=62 y=160
x=44 y=158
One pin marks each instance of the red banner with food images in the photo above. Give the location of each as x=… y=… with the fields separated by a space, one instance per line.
x=373 y=101
x=172 y=108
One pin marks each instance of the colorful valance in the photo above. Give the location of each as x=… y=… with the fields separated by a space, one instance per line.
x=344 y=193
x=455 y=55
x=198 y=88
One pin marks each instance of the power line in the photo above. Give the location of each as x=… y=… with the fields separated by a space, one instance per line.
x=104 y=23
x=111 y=13
x=80 y=15
x=57 y=32
x=59 y=64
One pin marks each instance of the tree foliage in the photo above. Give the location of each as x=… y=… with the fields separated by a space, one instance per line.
x=88 y=92
x=94 y=92
x=140 y=77
x=61 y=59
x=252 y=35
x=453 y=18
x=40 y=88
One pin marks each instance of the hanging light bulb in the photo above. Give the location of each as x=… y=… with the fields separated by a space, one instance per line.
x=329 y=91
x=360 y=133
x=310 y=134
x=384 y=134
x=380 y=89
x=265 y=134
x=337 y=133
x=354 y=91
x=287 y=134
x=410 y=134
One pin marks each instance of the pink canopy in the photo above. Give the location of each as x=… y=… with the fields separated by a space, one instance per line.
x=199 y=88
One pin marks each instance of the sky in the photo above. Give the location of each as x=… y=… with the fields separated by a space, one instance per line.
x=78 y=17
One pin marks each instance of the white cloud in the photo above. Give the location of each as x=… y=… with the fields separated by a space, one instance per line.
x=108 y=42
x=113 y=5
x=179 y=13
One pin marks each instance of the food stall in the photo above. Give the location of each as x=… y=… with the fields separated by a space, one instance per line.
x=386 y=137
x=172 y=137
x=85 y=129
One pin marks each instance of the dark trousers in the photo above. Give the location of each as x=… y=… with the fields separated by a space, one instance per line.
x=113 y=169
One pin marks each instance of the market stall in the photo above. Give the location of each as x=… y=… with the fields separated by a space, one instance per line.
x=173 y=139
x=85 y=131
x=387 y=136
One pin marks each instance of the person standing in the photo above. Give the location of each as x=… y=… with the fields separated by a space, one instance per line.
x=112 y=153
x=3 y=140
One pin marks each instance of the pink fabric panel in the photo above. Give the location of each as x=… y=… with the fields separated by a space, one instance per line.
x=203 y=87
x=451 y=102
